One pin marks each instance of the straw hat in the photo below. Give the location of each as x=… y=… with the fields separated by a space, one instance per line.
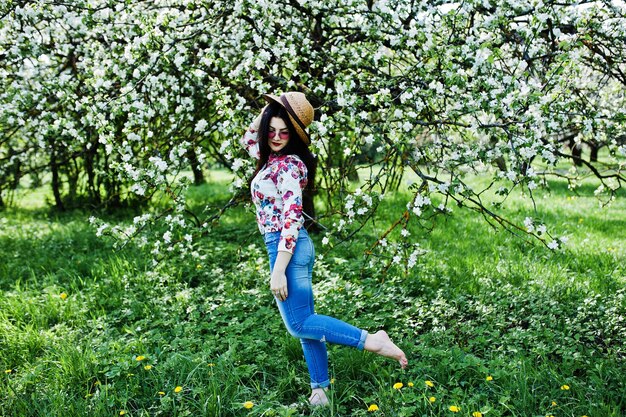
x=299 y=110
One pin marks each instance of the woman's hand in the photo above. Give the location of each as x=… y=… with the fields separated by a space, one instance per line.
x=278 y=281
x=257 y=122
x=278 y=284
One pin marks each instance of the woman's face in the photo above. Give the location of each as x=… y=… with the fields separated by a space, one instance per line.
x=278 y=135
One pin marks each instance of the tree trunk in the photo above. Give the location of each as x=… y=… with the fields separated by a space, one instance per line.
x=500 y=163
x=113 y=199
x=56 y=184
x=196 y=168
x=72 y=173
x=353 y=174
x=309 y=210
x=577 y=152
x=594 y=152
x=94 y=193
x=17 y=171
x=35 y=180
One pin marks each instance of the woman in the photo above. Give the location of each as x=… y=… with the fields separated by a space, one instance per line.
x=281 y=190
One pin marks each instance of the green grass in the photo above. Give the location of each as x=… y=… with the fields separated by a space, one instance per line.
x=480 y=303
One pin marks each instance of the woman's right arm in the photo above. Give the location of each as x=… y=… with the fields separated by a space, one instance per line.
x=250 y=139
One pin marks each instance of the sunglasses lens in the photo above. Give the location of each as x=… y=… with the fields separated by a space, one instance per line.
x=283 y=135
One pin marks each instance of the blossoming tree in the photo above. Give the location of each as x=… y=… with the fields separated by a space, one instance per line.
x=111 y=100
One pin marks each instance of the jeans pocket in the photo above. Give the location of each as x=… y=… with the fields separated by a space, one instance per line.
x=303 y=253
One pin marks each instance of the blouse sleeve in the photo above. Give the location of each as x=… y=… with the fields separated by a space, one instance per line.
x=250 y=141
x=291 y=180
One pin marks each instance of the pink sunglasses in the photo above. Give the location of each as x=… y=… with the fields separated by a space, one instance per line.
x=282 y=135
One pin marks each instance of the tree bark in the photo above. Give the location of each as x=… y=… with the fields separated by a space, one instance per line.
x=196 y=168
x=56 y=184
x=577 y=152
x=594 y=152
x=94 y=193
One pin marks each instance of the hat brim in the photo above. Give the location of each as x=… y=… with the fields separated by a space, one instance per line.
x=303 y=134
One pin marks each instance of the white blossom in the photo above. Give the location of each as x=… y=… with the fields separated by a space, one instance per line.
x=155 y=80
x=529 y=224
x=201 y=126
x=159 y=163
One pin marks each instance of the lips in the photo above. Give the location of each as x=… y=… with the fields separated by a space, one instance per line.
x=277 y=144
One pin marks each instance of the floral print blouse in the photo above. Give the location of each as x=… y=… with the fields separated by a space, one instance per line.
x=277 y=193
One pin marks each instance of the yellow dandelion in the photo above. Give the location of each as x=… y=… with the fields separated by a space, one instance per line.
x=553 y=403
x=429 y=383
x=198 y=266
x=454 y=408
x=564 y=387
x=147 y=367
x=489 y=378
x=580 y=220
x=410 y=384
x=122 y=412
x=210 y=365
x=248 y=404
x=477 y=414
x=8 y=371
x=161 y=393
x=432 y=399
x=178 y=389
x=332 y=380
x=398 y=385
x=372 y=408
x=140 y=358
x=63 y=296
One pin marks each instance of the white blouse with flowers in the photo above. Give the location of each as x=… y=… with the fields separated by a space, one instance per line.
x=277 y=193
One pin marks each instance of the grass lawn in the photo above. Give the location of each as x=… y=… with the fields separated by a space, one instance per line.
x=490 y=323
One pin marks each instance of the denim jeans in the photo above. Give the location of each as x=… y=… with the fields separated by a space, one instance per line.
x=298 y=312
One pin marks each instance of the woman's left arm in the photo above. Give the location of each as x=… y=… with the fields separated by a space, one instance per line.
x=278 y=281
x=250 y=139
x=290 y=181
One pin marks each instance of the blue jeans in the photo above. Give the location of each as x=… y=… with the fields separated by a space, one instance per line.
x=298 y=313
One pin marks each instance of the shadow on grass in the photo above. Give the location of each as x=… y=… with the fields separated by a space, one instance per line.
x=612 y=226
x=587 y=188
x=42 y=247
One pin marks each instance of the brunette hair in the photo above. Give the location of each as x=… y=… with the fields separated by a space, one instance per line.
x=295 y=146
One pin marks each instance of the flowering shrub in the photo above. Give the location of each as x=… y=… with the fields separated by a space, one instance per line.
x=113 y=101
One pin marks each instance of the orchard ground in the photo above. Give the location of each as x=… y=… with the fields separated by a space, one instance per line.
x=491 y=324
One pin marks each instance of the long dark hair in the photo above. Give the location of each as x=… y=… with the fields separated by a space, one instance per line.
x=295 y=146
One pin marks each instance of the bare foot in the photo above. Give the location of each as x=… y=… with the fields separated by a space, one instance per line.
x=381 y=344
x=318 y=397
